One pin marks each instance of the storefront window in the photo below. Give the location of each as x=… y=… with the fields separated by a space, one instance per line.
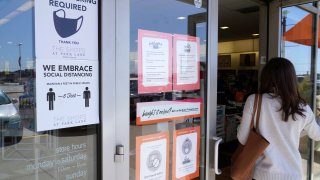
x=168 y=61
x=297 y=46
x=25 y=152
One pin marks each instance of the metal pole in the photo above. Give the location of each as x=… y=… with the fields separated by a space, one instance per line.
x=284 y=29
x=20 y=60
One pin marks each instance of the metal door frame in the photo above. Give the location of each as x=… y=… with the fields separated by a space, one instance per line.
x=107 y=88
x=212 y=69
x=115 y=87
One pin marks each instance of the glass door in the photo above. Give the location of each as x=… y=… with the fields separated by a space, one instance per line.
x=298 y=34
x=64 y=148
x=238 y=66
x=168 y=63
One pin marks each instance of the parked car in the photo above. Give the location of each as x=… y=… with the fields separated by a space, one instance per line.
x=10 y=120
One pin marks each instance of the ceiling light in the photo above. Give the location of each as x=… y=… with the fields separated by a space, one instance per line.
x=224 y=27
x=255 y=34
x=181 y=18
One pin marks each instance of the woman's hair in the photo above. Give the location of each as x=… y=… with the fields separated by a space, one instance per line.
x=278 y=78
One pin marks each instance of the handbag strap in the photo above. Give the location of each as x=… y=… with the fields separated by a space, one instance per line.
x=256 y=108
x=258 y=113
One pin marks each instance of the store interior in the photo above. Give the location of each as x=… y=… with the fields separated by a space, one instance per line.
x=238 y=69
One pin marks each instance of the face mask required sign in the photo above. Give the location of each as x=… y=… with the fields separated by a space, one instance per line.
x=66 y=29
x=67 y=66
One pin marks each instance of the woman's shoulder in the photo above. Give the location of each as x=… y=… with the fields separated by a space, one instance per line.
x=267 y=99
x=264 y=96
x=251 y=97
x=307 y=109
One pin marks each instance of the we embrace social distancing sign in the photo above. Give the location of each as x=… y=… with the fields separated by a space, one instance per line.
x=67 y=64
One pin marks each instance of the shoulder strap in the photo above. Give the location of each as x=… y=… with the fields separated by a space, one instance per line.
x=258 y=114
x=254 y=110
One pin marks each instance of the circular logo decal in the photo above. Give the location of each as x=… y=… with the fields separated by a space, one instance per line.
x=186 y=146
x=154 y=160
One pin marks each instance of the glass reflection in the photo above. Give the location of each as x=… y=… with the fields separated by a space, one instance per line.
x=170 y=17
x=10 y=120
x=297 y=47
x=25 y=153
x=316 y=163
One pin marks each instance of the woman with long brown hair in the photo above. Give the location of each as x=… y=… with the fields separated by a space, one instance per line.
x=284 y=115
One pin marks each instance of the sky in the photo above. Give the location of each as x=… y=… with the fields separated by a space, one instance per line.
x=16 y=26
x=298 y=54
x=159 y=15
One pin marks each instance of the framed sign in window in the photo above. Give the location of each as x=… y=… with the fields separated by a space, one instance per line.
x=248 y=59
x=224 y=61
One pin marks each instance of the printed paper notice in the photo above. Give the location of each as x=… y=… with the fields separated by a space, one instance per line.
x=152 y=159
x=154 y=62
x=66 y=97
x=67 y=65
x=186 y=149
x=162 y=111
x=186 y=69
x=66 y=29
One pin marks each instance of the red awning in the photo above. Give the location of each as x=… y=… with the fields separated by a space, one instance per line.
x=301 y=33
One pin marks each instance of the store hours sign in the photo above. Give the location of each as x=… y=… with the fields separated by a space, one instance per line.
x=67 y=81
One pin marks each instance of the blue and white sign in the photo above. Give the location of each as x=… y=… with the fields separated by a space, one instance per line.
x=67 y=65
x=66 y=29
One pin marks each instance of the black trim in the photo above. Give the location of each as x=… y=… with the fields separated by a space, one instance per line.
x=98 y=127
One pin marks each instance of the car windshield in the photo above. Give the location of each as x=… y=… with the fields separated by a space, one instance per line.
x=4 y=98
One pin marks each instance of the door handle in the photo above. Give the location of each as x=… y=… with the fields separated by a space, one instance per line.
x=216 y=154
x=119 y=156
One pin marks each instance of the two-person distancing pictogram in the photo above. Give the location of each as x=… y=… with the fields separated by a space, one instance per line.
x=51 y=97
